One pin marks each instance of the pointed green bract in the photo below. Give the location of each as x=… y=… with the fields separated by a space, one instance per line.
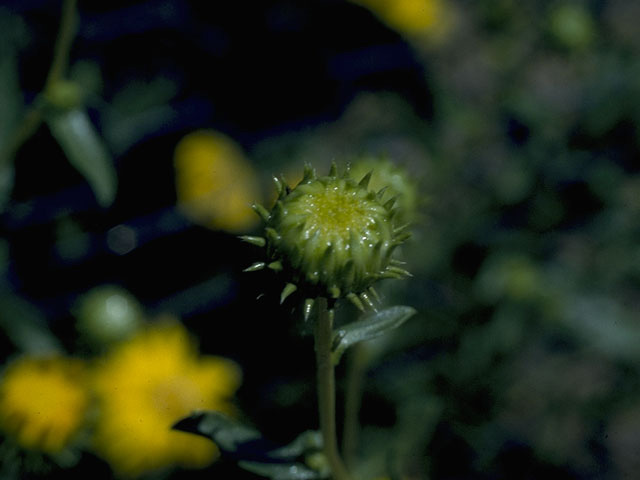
x=255 y=267
x=257 y=241
x=286 y=291
x=308 y=307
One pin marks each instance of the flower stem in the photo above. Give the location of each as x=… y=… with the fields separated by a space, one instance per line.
x=326 y=390
x=33 y=116
x=356 y=368
x=60 y=62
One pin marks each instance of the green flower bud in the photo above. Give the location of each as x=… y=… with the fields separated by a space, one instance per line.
x=397 y=181
x=331 y=237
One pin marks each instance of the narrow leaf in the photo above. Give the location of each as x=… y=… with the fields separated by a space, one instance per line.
x=251 y=450
x=6 y=181
x=86 y=151
x=305 y=442
x=26 y=327
x=228 y=434
x=371 y=326
x=11 y=101
x=281 y=471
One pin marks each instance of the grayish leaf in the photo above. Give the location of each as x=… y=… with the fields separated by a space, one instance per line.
x=227 y=433
x=371 y=326
x=26 y=327
x=281 y=471
x=86 y=151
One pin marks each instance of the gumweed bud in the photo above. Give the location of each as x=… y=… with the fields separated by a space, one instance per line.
x=332 y=237
x=394 y=179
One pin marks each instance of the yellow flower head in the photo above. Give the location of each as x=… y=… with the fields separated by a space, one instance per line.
x=43 y=401
x=428 y=18
x=144 y=386
x=215 y=184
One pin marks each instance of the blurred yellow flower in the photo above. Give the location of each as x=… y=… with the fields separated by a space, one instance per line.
x=43 y=401
x=145 y=385
x=411 y=17
x=215 y=183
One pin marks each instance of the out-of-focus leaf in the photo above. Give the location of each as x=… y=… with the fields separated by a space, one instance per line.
x=371 y=326
x=252 y=451
x=6 y=182
x=87 y=75
x=281 y=471
x=235 y=440
x=227 y=433
x=86 y=151
x=139 y=109
x=10 y=108
x=25 y=326
x=123 y=131
x=306 y=441
x=140 y=96
x=605 y=326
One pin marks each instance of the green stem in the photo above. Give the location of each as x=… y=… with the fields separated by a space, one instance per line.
x=33 y=117
x=61 y=50
x=326 y=390
x=356 y=368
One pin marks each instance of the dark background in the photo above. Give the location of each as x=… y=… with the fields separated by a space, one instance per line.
x=524 y=138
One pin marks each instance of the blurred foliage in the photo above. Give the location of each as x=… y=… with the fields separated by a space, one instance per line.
x=518 y=121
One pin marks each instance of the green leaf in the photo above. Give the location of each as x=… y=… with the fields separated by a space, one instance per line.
x=6 y=181
x=12 y=106
x=253 y=452
x=305 y=442
x=139 y=109
x=26 y=327
x=371 y=326
x=281 y=471
x=86 y=151
x=227 y=433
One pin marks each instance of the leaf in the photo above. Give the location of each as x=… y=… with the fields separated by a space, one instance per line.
x=251 y=450
x=138 y=110
x=25 y=326
x=86 y=151
x=230 y=436
x=371 y=326
x=281 y=471
x=305 y=442
x=12 y=106
x=7 y=176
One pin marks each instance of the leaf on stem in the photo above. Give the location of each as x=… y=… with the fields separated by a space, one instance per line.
x=371 y=326
x=86 y=151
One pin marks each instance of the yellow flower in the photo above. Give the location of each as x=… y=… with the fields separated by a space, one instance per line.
x=215 y=184
x=411 y=17
x=144 y=386
x=43 y=401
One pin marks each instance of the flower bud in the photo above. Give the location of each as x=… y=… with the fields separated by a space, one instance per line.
x=331 y=236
